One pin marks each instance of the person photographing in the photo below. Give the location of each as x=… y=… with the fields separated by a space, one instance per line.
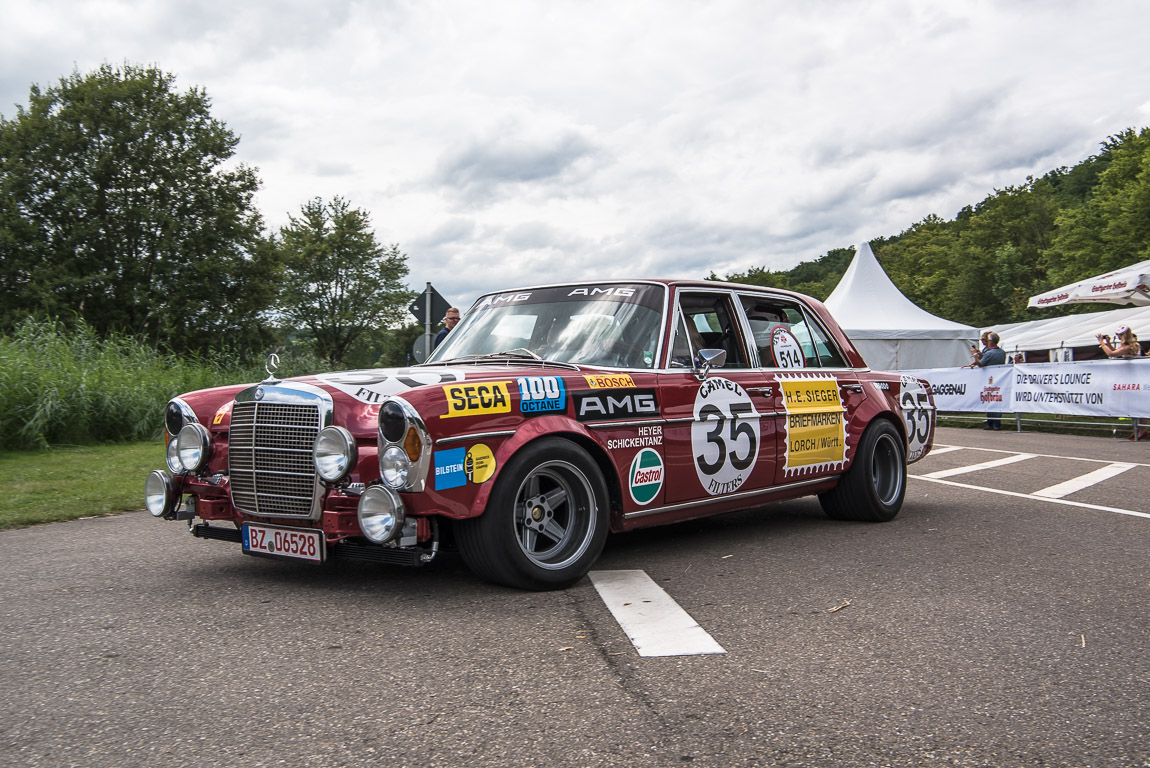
x=1125 y=343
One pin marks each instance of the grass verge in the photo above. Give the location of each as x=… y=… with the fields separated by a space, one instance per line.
x=69 y=482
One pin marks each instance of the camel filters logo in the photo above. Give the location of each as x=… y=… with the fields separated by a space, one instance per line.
x=646 y=477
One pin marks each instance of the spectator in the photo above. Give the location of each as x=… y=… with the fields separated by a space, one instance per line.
x=976 y=353
x=1126 y=343
x=991 y=355
x=450 y=320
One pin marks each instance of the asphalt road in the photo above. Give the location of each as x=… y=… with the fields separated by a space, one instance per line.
x=979 y=628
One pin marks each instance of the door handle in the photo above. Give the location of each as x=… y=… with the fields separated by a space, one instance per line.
x=856 y=388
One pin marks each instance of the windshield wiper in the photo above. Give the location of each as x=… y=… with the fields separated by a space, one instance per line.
x=519 y=353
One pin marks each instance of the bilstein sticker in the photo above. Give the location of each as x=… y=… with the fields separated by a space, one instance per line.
x=646 y=476
x=724 y=435
x=449 y=469
x=815 y=425
x=481 y=397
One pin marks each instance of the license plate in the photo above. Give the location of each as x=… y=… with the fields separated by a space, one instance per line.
x=295 y=543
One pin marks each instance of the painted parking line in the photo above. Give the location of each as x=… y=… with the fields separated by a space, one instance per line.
x=1084 y=481
x=979 y=467
x=654 y=622
x=938 y=450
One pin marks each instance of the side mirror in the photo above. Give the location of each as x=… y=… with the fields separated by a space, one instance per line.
x=709 y=358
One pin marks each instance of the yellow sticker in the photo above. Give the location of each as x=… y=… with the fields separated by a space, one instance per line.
x=479 y=463
x=615 y=381
x=815 y=426
x=221 y=413
x=477 y=398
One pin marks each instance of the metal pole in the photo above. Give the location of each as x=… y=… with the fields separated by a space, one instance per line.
x=427 y=317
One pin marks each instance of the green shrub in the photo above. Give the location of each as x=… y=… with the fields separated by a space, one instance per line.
x=64 y=385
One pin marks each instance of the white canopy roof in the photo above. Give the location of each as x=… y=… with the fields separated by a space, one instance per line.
x=1130 y=285
x=1072 y=330
x=890 y=330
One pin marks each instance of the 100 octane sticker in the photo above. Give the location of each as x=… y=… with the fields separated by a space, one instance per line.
x=724 y=436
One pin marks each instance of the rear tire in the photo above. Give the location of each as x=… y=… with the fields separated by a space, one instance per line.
x=873 y=488
x=545 y=523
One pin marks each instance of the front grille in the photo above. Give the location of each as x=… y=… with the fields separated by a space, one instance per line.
x=269 y=455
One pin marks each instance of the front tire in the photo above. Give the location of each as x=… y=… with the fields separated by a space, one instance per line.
x=545 y=522
x=873 y=488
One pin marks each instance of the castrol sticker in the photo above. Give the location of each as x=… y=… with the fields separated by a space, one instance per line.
x=815 y=425
x=645 y=479
x=724 y=436
x=785 y=348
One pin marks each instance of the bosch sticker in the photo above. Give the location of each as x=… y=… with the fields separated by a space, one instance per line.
x=479 y=398
x=724 y=435
x=541 y=394
x=449 y=471
x=785 y=348
x=645 y=479
x=479 y=464
x=919 y=417
x=613 y=381
x=815 y=426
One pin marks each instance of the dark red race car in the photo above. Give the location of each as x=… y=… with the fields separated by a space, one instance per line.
x=549 y=417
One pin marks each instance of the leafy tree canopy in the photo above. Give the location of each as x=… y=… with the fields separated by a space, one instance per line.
x=339 y=283
x=981 y=267
x=115 y=205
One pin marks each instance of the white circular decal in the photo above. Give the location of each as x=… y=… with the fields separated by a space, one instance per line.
x=785 y=348
x=724 y=436
x=917 y=414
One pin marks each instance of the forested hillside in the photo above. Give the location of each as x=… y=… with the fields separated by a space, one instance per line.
x=982 y=266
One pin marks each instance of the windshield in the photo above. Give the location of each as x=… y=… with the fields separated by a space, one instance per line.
x=615 y=326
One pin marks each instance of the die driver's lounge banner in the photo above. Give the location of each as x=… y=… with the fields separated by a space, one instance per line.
x=1094 y=388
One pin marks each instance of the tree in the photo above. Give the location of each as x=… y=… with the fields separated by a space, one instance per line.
x=114 y=205
x=339 y=282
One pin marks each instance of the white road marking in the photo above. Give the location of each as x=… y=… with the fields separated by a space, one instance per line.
x=978 y=467
x=1016 y=494
x=655 y=623
x=1084 y=481
x=938 y=450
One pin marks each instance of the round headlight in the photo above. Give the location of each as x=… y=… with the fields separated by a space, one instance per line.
x=392 y=421
x=394 y=467
x=176 y=415
x=334 y=453
x=159 y=495
x=172 y=456
x=194 y=447
x=380 y=514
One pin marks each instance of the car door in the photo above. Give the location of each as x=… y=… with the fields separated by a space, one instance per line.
x=819 y=410
x=717 y=441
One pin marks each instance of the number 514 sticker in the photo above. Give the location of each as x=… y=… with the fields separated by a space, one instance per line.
x=724 y=436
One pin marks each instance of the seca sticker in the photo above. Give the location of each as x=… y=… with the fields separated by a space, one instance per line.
x=481 y=397
x=816 y=436
x=724 y=436
x=917 y=414
x=785 y=348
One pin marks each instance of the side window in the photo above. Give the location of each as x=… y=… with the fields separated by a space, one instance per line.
x=786 y=336
x=707 y=322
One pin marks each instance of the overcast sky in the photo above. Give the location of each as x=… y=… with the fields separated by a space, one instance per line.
x=503 y=144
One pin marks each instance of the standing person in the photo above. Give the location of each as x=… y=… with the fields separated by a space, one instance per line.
x=989 y=356
x=1125 y=343
x=976 y=353
x=450 y=320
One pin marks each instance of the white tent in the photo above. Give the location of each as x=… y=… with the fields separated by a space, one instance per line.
x=1056 y=335
x=890 y=330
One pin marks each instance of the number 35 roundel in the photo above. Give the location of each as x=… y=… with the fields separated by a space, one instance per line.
x=724 y=436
